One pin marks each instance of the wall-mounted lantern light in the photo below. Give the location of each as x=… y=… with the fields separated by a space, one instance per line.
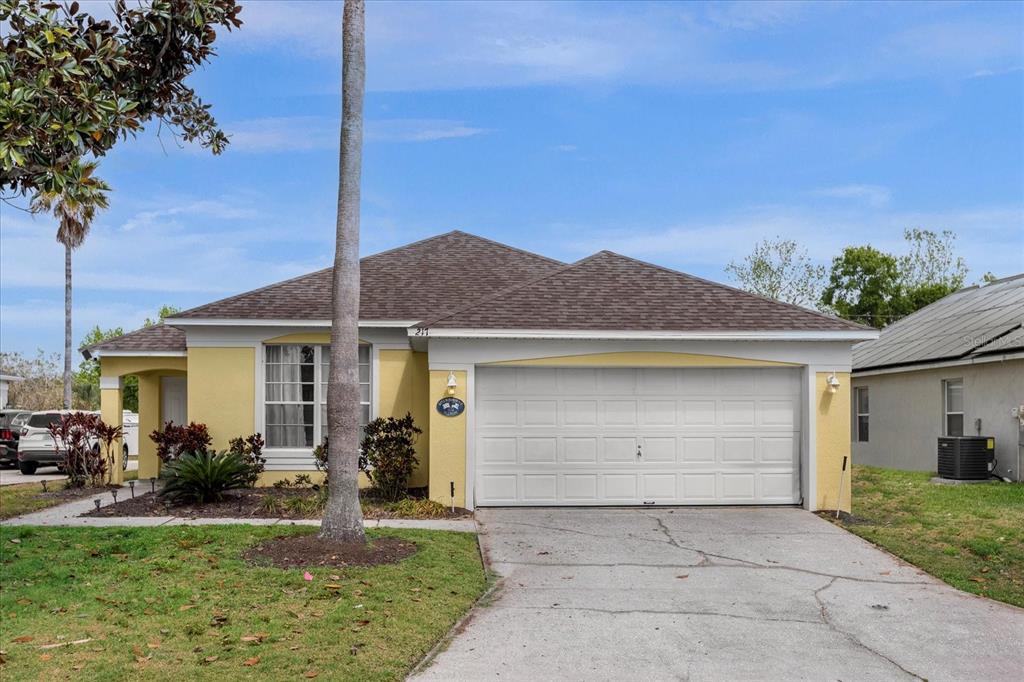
x=452 y=384
x=832 y=382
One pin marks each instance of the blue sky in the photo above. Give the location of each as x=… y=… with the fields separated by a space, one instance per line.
x=675 y=133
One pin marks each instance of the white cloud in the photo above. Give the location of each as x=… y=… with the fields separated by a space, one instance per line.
x=443 y=45
x=419 y=130
x=566 y=148
x=283 y=134
x=872 y=195
x=989 y=238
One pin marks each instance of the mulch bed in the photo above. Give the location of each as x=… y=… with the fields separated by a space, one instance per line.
x=240 y=504
x=55 y=490
x=309 y=551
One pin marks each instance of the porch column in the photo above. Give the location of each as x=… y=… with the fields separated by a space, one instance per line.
x=149 y=421
x=111 y=389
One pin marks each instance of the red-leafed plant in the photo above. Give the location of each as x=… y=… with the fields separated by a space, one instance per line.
x=175 y=440
x=75 y=440
x=107 y=434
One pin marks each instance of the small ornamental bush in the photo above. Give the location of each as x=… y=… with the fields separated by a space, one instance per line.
x=75 y=440
x=203 y=477
x=389 y=449
x=320 y=460
x=175 y=440
x=107 y=434
x=250 y=451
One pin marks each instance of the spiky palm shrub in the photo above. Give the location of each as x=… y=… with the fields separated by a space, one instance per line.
x=203 y=477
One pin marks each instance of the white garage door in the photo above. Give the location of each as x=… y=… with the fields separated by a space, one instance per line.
x=547 y=436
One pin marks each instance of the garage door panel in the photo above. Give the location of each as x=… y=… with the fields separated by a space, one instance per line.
x=738 y=413
x=619 y=412
x=699 y=412
x=579 y=412
x=619 y=449
x=620 y=487
x=699 y=450
x=658 y=412
x=659 y=487
x=579 y=450
x=737 y=487
x=497 y=450
x=738 y=449
x=540 y=412
x=660 y=449
x=540 y=450
x=781 y=449
x=572 y=435
x=578 y=488
x=497 y=413
x=540 y=488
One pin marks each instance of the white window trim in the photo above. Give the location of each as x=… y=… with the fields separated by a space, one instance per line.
x=857 y=414
x=945 y=406
x=260 y=404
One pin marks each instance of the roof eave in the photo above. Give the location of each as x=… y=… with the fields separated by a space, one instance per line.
x=711 y=335
x=260 y=322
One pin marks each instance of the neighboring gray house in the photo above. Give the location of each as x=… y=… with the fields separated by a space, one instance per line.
x=955 y=367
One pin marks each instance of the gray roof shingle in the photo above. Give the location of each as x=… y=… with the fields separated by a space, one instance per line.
x=608 y=291
x=419 y=280
x=155 y=338
x=975 y=321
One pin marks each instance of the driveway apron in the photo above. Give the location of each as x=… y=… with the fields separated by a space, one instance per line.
x=715 y=594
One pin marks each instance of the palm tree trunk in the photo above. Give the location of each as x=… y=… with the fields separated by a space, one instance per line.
x=343 y=517
x=67 y=327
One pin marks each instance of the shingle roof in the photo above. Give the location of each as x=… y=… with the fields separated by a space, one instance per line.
x=608 y=291
x=156 y=338
x=419 y=280
x=975 y=321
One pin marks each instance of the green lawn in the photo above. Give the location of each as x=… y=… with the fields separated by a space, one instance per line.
x=24 y=498
x=971 y=536
x=179 y=604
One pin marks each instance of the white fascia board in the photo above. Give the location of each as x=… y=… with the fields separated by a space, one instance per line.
x=921 y=366
x=251 y=322
x=642 y=335
x=138 y=353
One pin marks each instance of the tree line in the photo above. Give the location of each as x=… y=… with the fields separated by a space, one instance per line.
x=863 y=284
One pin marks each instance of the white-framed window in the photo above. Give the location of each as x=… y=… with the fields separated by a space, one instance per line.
x=295 y=395
x=953 y=406
x=861 y=413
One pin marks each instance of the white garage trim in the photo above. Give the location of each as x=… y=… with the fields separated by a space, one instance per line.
x=630 y=436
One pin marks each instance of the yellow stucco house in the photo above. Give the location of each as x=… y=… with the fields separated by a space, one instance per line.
x=608 y=381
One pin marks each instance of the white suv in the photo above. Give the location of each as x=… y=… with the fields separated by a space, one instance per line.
x=35 y=447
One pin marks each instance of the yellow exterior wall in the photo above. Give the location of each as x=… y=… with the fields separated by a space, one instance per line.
x=643 y=359
x=307 y=337
x=110 y=412
x=832 y=441
x=117 y=366
x=149 y=421
x=447 y=442
x=403 y=386
x=221 y=391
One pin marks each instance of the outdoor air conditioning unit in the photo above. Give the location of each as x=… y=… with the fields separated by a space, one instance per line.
x=966 y=457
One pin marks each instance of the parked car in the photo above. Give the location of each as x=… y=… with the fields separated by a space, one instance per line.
x=10 y=430
x=35 y=445
x=130 y=438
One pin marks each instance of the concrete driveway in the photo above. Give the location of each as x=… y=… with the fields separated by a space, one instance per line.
x=15 y=477
x=714 y=594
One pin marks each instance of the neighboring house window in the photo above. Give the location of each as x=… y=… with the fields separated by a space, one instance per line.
x=954 y=406
x=296 y=394
x=862 y=409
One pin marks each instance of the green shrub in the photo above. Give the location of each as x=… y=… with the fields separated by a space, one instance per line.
x=250 y=451
x=204 y=477
x=390 y=454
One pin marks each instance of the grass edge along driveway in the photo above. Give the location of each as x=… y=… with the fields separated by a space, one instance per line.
x=179 y=603
x=970 y=536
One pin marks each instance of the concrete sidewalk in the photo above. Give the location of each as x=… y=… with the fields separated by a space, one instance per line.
x=68 y=515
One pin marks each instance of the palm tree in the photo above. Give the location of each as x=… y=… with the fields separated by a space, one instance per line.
x=343 y=517
x=74 y=207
